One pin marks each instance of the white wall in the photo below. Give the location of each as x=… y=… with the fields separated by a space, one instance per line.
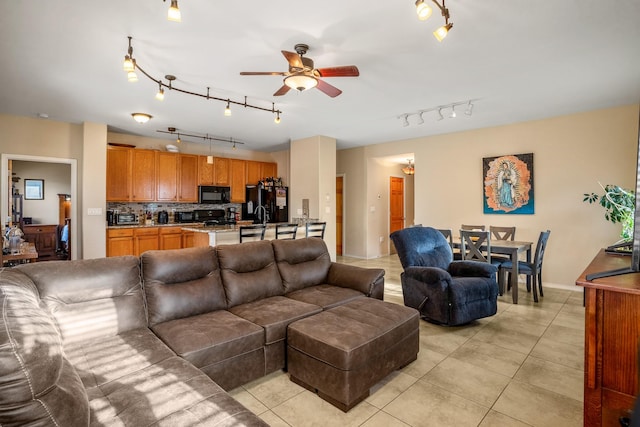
x=571 y=155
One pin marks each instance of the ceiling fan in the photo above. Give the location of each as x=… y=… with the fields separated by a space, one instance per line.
x=302 y=75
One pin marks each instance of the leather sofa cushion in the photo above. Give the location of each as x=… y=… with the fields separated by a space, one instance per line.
x=249 y=272
x=38 y=385
x=91 y=298
x=211 y=337
x=134 y=379
x=347 y=336
x=182 y=282
x=326 y=296
x=302 y=262
x=274 y=315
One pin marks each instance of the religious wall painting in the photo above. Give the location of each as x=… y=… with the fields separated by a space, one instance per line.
x=508 y=184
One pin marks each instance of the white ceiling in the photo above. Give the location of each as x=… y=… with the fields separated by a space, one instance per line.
x=521 y=59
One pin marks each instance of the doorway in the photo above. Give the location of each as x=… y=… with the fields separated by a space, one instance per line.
x=339 y=213
x=396 y=206
x=6 y=185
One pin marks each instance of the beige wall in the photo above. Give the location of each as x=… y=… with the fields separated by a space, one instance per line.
x=571 y=155
x=93 y=190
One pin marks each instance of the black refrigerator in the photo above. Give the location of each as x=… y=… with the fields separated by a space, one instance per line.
x=275 y=201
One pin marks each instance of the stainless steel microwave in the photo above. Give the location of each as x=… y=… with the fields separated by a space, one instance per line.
x=213 y=195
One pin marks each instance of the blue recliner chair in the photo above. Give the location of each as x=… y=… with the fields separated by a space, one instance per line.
x=444 y=291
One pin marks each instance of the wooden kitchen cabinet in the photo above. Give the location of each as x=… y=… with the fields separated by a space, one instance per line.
x=188 y=238
x=120 y=242
x=188 y=182
x=612 y=331
x=170 y=238
x=221 y=171
x=45 y=239
x=269 y=170
x=205 y=171
x=143 y=175
x=118 y=174
x=238 y=174
x=167 y=176
x=145 y=239
x=254 y=172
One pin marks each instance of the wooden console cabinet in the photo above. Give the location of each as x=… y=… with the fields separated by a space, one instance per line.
x=612 y=336
x=45 y=239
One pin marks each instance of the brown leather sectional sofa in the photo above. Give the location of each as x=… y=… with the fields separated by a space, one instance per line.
x=157 y=340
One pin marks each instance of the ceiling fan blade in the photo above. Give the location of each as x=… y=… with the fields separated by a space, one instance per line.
x=293 y=59
x=345 y=71
x=262 y=73
x=325 y=87
x=282 y=91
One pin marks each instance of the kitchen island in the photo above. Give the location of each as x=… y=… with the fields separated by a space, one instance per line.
x=214 y=235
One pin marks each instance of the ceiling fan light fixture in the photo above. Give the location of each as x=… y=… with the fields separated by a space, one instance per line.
x=173 y=14
x=442 y=32
x=141 y=117
x=423 y=10
x=301 y=82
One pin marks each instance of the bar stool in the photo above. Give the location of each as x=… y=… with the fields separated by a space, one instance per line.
x=252 y=231
x=315 y=229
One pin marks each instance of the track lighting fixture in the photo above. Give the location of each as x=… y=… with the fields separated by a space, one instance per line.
x=130 y=66
x=424 y=12
x=141 y=117
x=469 y=109
x=438 y=110
x=206 y=137
x=173 y=14
x=160 y=94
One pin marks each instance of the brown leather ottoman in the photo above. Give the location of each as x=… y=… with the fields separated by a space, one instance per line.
x=340 y=353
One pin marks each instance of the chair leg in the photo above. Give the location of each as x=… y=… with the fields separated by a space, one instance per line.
x=534 y=286
x=540 y=284
x=500 y=281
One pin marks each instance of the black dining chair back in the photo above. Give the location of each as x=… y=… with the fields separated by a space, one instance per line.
x=286 y=231
x=502 y=233
x=253 y=232
x=471 y=245
x=315 y=229
x=533 y=269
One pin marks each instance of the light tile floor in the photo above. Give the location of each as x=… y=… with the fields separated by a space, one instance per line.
x=521 y=367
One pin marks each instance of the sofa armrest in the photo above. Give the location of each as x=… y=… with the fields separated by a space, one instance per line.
x=472 y=269
x=369 y=281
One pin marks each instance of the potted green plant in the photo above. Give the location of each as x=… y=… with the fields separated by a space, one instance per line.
x=619 y=205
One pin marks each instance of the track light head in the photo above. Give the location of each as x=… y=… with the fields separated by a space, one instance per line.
x=160 y=94
x=442 y=32
x=227 y=110
x=420 y=118
x=469 y=109
x=423 y=10
x=453 y=112
x=173 y=14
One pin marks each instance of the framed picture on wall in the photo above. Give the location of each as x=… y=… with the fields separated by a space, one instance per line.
x=508 y=184
x=34 y=189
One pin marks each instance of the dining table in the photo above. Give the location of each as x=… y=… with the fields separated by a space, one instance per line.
x=513 y=248
x=28 y=253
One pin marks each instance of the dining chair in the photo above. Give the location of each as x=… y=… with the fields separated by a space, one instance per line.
x=252 y=231
x=448 y=234
x=471 y=245
x=286 y=231
x=472 y=227
x=315 y=229
x=502 y=233
x=533 y=269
